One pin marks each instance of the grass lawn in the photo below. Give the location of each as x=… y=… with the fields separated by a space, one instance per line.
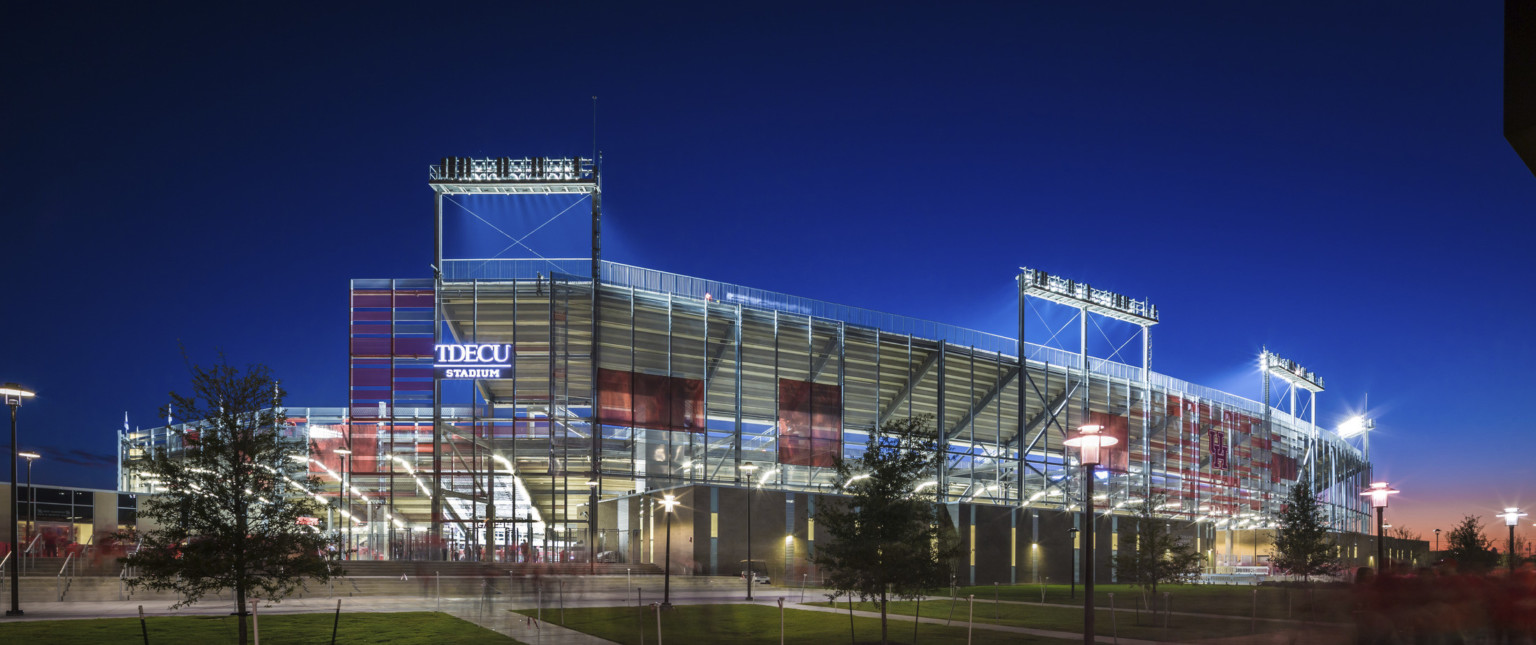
x=1332 y=604
x=1070 y=619
x=424 y=628
x=759 y=624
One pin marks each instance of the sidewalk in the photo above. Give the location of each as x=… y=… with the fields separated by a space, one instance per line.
x=1044 y=633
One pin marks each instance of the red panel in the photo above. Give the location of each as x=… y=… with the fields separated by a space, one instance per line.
x=795 y=451
x=794 y=422
x=413 y=299
x=687 y=405
x=370 y=347
x=372 y=315
x=810 y=423
x=371 y=299
x=653 y=401
x=826 y=413
x=615 y=398
x=417 y=347
x=369 y=377
x=824 y=454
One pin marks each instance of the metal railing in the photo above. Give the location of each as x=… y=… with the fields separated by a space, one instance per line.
x=27 y=559
x=61 y=582
x=653 y=280
x=124 y=590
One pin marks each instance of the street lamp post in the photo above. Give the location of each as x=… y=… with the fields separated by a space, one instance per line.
x=1437 y=540
x=666 y=589
x=31 y=495
x=1378 y=493
x=346 y=499
x=1089 y=442
x=1072 y=575
x=749 y=468
x=13 y=394
x=592 y=525
x=1511 y=517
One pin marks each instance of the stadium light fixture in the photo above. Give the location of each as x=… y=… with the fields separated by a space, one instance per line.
x=1290 y=371
x=1511 y=517
x=1060 y=290
x=1355 y=426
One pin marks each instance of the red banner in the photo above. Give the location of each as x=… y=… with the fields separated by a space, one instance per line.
x=615 y=400
x=650 y=401
x=810 y=423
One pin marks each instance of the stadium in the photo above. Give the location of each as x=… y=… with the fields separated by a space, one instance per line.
x=540 y=405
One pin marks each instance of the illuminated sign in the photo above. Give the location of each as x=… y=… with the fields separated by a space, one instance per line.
x=309 y=521
x=473 y=361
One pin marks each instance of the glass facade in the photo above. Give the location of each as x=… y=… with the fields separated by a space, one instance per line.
x=657 y=380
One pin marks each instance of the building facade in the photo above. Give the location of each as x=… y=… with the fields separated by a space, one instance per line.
x=499 y=402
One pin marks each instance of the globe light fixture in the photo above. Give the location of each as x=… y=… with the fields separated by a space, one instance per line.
x=1090 y=442
x=1378 y=492
x=1511 y=517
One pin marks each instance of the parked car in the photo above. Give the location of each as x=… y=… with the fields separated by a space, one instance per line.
x=758 y=577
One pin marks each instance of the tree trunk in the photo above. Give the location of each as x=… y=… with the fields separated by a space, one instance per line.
x=883 y=638
x=240 y=610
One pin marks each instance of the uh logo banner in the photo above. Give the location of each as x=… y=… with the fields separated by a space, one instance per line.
x=473 y=361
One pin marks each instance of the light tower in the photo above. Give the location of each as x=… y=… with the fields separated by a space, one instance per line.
x=1086 y=299
x=1296 y=378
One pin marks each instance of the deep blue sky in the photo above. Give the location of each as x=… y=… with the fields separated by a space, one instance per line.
x=1329 y=181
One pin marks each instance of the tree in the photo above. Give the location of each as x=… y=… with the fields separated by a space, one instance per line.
x=1467 y=545
x=1302 y=545
x=229 y=516
x=889 y=539
x=1156 y=556
x=1405 y=533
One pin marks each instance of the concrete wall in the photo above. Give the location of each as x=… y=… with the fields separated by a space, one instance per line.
x=999 y=544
